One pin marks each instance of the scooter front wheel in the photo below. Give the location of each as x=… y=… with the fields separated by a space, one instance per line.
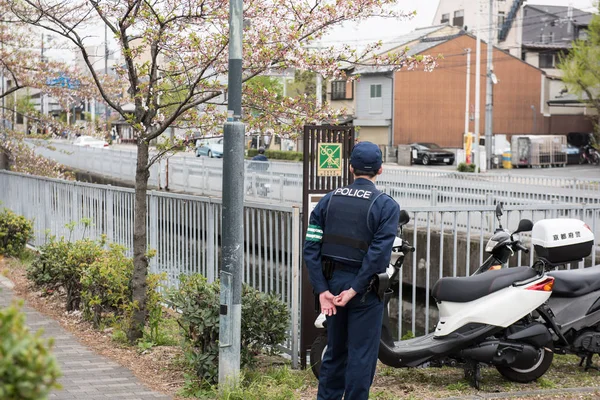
x=317 y=352
x=539 y=367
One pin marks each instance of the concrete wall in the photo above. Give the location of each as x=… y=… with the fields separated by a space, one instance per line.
x=375 y=134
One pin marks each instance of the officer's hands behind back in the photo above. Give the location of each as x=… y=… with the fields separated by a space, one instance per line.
x=343 y=298
x=327 y=306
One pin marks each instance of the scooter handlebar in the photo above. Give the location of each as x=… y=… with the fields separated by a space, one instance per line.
x=519 y=246
x=406 y=248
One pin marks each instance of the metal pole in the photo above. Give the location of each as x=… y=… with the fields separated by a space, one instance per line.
x=41 y=92
x=106 y=71
x=489 y=106
x=477 y=86
x=233 y=211
x=468 y=94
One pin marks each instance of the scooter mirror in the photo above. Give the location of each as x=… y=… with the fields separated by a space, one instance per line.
x=525 y=225
x=404 y=218
x=499 y=210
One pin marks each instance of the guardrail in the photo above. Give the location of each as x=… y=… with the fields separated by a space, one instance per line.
x=409 y=186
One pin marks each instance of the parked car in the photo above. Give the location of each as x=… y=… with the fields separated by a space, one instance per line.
x=89 y=141
x=209 y=148
x=429 y=153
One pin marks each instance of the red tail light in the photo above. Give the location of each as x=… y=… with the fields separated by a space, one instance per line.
x=105 y=144
x=543 y=286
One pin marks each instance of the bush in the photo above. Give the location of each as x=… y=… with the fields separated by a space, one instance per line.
x=264 y=324
x=278 y=154
x=105 y=284
x=27 y=369
x=61 y=264
x=15 y=231
x=106 y=291
x=464 y=167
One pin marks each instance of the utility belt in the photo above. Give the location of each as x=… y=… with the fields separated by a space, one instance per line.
x=330 y=266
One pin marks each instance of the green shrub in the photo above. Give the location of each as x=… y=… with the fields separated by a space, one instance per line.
x=15 y=231
x=265 y=322
x=198 y=302
x=27 y=368
x=61 y=264
x=106 y=291
x=278 y=154
x=105 y=284
x=464 y=167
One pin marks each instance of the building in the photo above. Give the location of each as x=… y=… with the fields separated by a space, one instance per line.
x=392 y=107
x=539 y=35
x=368 y=99
x=430 y=106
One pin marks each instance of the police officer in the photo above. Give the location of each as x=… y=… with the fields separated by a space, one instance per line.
x=349 y=240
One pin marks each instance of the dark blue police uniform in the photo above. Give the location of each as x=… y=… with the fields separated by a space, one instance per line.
x=354 y=228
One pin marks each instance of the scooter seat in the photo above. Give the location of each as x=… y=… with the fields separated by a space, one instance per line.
x=465 y=289
x=575 y=282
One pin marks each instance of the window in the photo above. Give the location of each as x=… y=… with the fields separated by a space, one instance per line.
x=376 y=102
x=445 y=18
x=459 y=18
x=501 y=19
x=338 y=90
x=547 y=37
x=375 y=91
x=547 y=60
x=583 y=34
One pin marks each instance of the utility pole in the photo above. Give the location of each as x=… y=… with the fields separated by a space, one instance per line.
x=489 y=101
x=477 y=86
x=106 y=70
x=233 y=210
x=468 y=94
x=42 y=95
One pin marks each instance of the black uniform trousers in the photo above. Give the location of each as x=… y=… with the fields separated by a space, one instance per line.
x=353 y=336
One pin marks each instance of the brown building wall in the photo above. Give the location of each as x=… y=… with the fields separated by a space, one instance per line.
x=563 y=124
x=430 y=106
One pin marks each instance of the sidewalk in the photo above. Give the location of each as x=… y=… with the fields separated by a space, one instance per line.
x=86 y=375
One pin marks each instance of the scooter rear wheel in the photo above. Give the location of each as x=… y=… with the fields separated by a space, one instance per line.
x=317 y=352
x=525 y=375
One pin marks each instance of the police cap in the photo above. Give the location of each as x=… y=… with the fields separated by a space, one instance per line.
x=366 y=156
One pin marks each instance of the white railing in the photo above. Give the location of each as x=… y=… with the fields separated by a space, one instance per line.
x=409 y=186
x=185 y=232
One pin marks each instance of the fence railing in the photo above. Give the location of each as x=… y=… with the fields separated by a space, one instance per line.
x=184 y=229
x=412 y=186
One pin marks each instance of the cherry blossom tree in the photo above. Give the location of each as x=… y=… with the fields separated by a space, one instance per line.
x=175 y=61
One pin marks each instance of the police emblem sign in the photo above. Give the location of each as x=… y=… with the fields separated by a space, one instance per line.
x=329 y=159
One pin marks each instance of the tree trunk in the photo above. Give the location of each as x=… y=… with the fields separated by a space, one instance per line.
x=140 y=261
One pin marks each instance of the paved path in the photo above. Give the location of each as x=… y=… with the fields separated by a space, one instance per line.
x=86 y=375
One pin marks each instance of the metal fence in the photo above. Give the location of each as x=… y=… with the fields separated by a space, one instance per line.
x=183 y=229
x=409 y=186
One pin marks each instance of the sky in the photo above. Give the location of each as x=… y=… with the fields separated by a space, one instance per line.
x=371 y=30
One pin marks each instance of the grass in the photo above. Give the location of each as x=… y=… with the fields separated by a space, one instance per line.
x=263 y=383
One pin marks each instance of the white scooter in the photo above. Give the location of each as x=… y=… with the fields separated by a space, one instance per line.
x=478 y=324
